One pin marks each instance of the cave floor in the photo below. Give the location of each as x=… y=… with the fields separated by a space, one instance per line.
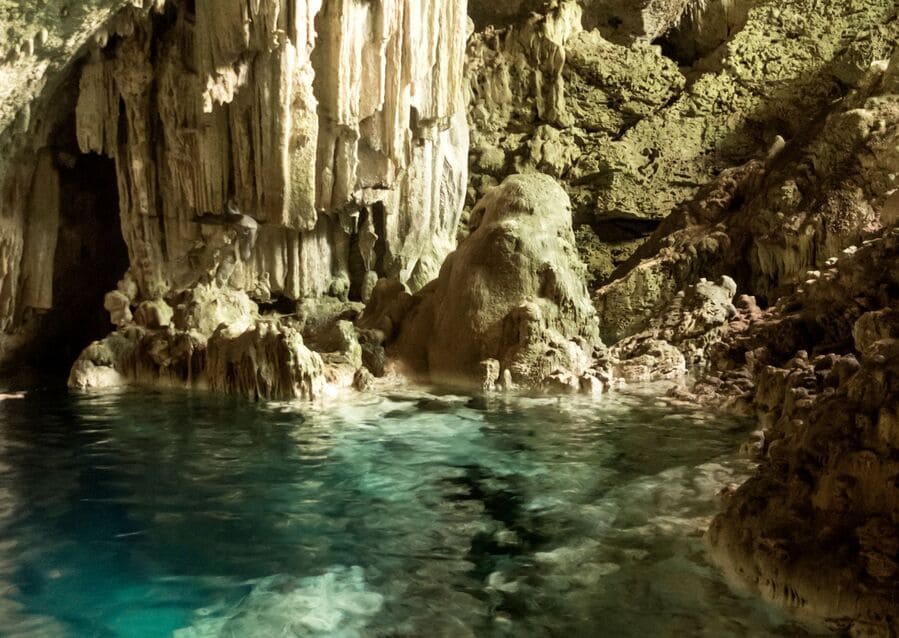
x=153 y=513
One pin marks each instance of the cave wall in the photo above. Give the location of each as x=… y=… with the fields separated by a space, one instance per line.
x=620 y=21
x=234 y=104
x=338 y=125
x=629 y=132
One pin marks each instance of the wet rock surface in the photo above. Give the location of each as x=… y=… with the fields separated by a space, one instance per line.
x=804 y=338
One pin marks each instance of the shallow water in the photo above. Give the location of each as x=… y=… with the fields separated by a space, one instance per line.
x=156 y=514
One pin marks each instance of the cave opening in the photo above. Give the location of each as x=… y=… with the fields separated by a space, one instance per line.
x=91 y=255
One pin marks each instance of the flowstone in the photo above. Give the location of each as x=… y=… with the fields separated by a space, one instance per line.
x=513 y=293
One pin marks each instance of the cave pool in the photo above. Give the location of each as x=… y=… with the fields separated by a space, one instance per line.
x=155 y=513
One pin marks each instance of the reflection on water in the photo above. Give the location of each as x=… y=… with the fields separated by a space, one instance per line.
x=158 y=514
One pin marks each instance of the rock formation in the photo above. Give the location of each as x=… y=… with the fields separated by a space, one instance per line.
x=620 y=21
x=510 y=304
x=629 y=133
x=681 y=337
x=348 y=152
x=214 y=338
x=769 y=222
x=810 y=232
x=817 y=527
x=707 y=186
x=331 y=165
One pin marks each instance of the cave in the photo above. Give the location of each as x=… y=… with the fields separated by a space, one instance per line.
x=520 y=318
x=91 y=256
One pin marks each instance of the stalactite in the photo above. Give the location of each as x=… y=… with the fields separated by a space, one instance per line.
x=305 y=115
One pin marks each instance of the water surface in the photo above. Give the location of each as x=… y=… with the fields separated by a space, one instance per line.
x=149 y=514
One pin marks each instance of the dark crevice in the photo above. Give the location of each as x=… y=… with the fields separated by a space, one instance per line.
x=278 y=306
x=91 y=255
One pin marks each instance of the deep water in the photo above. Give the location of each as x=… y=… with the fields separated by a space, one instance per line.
x=159 y=513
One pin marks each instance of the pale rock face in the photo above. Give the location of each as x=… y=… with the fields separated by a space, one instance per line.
x=215 y=339
x=310 y=156
x=338 y=126
x=513 y=292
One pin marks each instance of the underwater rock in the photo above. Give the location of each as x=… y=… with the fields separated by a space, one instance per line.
x=513 y=291
x=336 y=603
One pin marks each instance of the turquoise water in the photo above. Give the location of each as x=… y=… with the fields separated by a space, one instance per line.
x=157 y=514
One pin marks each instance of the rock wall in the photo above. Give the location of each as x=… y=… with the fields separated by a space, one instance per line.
x=629 y=133
x=620 y=21
x=769 y=222
x=338 y=126
x=817 y=527
x=809 y=232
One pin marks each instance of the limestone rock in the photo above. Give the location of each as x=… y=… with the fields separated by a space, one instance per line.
x=348 y=153
x=872 y=328
x=119 y=308
x=215 y=338
x=513 y=291
x=680 y=337
x=205 y=307
x=649 y=360
x=87 y=375
x=269 y=361
x=619 y=20
x=154 y=314
x=815 y=527
x=633 y=136
x=759 y=222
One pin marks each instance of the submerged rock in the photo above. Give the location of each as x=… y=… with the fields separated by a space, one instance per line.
x=339 y=602
x=513 y=292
